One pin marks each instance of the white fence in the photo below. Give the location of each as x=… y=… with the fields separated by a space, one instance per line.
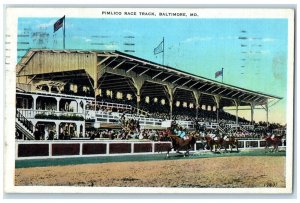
x=81 y=148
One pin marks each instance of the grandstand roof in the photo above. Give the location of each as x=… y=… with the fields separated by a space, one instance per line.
x=114 y=62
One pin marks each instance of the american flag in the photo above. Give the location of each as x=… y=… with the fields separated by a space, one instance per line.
x=219 y=73
x=58 y=24
x=159 y=48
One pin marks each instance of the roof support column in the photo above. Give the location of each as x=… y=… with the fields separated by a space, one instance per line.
x=237 y=103
x=252 y=111
x=217 y=100
x=267 y=113
x=79 y=102
x=197 y=96
x=57 y=103
x=61 y=88
x=171 y=89
x=138 y=83
x=95 y=71
x=34 y=101
x=56 y=135
x=49 y=88
x=96 y=74
x=266 y=107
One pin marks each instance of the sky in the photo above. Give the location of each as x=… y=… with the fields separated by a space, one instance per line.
x=253 y=52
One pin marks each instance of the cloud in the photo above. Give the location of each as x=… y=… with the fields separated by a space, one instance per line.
x=228 y=37
x=69 y=25
x=202 y=38
x=87 y=39
x=129 y=32
x=51 y=23
x=195 y=39
x=111 y=47
x=46 y=25
x=268 y=39
x=265 y=52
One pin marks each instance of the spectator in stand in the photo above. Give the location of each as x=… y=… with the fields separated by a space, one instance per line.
x=37 y=134
x=51 y=135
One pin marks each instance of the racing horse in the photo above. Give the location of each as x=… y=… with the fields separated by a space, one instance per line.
x=213 y=142
x=179 y=143
x=230 y=142
x=272 y=140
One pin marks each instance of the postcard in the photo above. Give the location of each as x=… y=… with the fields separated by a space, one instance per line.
x=149 y=100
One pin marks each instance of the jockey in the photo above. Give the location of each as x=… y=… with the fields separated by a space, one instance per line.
x=180 y=133
x=177 y=132
x=226 y=137
x=273 y=136
x=213 y=136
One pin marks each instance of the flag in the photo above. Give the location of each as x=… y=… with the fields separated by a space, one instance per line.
x=159 y=48
x=219 y=73
x=58 y=24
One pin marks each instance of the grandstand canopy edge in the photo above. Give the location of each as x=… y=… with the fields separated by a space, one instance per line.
x=129 y=74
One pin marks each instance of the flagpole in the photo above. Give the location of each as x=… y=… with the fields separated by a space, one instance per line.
x=163 y=59
x=64 y=32
x=222 y=74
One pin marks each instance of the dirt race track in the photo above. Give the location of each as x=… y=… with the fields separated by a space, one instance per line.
x=220 y=172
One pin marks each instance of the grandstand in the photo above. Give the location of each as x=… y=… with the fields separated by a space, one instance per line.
x=64 y=94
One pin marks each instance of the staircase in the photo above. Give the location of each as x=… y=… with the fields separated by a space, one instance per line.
x=24 y=125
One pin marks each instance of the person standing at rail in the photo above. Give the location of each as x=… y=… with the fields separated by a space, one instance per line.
x=37 y=134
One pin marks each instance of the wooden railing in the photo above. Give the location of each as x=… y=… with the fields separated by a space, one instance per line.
x=85 y=148
x=28 y=124
x=31 y=114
